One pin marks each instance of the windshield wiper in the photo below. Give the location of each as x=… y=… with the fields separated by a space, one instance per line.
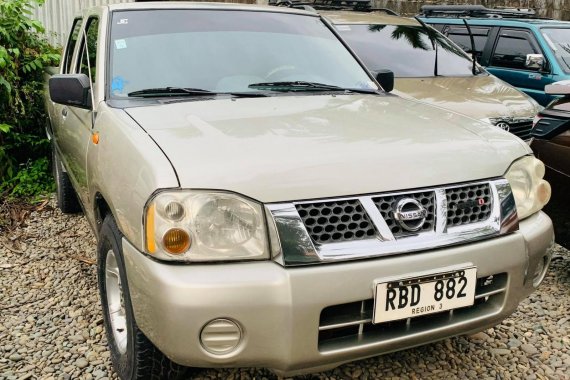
x=186 y=91
x=171 y=91
x=300 y=85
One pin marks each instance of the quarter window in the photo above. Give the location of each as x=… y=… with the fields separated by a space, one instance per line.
x=71 y=45
x=460 y=36
x=511 y=50
x=91 y=48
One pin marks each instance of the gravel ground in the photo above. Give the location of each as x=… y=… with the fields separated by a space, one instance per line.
x=51 y=326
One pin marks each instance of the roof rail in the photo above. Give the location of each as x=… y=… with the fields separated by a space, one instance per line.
x=459 y=11
x=352 y=5
x=297 y=4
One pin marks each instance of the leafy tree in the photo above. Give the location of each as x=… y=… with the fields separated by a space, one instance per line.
x=24 y=52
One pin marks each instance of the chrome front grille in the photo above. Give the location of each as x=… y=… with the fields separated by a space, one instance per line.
x=468 y=204
x=387 y=204
x=348 y=228
x=336 y=221
x=350 y=324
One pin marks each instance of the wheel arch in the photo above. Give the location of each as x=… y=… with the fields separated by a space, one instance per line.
x=101 y=209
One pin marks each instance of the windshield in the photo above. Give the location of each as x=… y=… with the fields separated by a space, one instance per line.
x=559 y=41
x=406 y=50
x=225 y=51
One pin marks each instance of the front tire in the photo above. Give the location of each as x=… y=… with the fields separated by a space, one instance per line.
x=132 y=353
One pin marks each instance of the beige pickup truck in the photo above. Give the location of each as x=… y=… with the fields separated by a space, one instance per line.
x=259 y=199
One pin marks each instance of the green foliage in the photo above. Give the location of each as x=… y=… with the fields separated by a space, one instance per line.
x=33 y=179
x=24 y=52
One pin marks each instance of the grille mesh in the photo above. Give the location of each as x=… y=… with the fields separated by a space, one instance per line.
x=521 y=129
x=468 y=204
x=387 y=204
x=336 y=221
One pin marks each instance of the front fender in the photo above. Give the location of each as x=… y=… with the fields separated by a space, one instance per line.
x=125 y=167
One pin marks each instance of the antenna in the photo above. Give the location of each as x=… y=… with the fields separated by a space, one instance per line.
x=433 y=42
x=473 y=53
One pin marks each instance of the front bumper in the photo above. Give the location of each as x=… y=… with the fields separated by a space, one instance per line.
x=279 y=309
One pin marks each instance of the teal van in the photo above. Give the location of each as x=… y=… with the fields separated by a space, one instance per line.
x=526 y=51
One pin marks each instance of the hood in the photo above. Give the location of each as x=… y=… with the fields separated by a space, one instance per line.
x=480 y=97
x=301 y=147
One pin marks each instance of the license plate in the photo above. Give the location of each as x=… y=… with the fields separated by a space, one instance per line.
x=416 y=296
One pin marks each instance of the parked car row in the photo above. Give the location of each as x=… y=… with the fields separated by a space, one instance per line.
x=261 y=198
x=515 y=45
x=430 y=68
x=532 y=54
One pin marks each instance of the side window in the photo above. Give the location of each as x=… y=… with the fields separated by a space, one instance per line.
x=438 y=27
x=460 y=36
x=71 y=42
x=90 y=47
x=511 y=50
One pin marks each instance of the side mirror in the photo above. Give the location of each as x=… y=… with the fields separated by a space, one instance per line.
x=534 y=61
x=385 y=78
x=558 y=88
x=71 y=90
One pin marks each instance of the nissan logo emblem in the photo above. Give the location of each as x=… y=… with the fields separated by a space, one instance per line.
x=410 y=214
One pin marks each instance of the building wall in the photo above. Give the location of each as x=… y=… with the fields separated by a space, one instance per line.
x=57 y=15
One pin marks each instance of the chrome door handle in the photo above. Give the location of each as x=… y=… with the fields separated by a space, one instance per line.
x=64 y=112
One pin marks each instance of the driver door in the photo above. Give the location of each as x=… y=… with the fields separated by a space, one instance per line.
x=75 y=135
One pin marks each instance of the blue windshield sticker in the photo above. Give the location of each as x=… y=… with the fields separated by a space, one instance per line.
x=120 y=44
x=118 y=85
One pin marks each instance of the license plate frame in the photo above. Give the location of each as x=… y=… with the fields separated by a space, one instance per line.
x=385 y=308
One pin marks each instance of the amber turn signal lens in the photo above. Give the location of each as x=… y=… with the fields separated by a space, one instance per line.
x=150 y=242
x=176 y=241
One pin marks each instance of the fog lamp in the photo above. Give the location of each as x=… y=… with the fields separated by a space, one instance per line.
x=221 y=336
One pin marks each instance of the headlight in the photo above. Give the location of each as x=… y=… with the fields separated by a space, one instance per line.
x=205 y=226
x=530 y=190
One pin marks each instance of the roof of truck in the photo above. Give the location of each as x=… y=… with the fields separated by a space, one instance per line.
x=366 y=18
x=206 y=5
